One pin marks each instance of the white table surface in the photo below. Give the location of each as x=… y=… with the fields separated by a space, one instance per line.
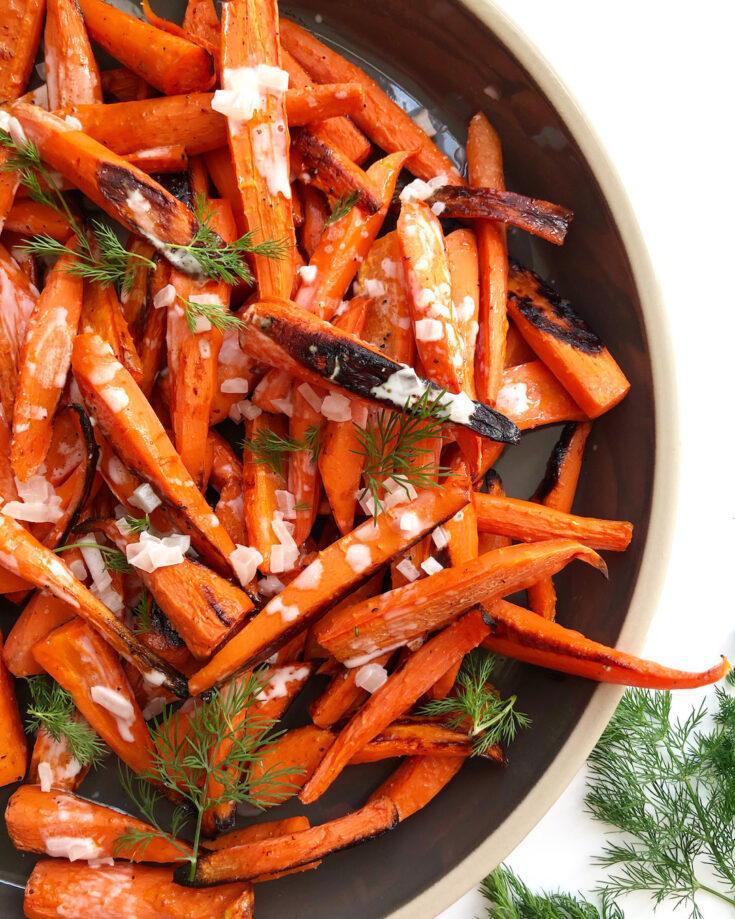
x=655 y=78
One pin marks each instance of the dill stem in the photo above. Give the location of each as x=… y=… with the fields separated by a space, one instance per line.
x=195 y=844
x=716 y=893
x=722 y=864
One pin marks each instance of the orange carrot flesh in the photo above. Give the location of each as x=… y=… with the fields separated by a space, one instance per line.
x=168 y=62
x=29 y=218
x=22 y=24
x=381 y=119
x=72 y=74
x=202 y=22
x=527 y=521
x=260 y=484
x=102 y=314
x=127 y=420
x=60 y=766
x=516 y=349
x=417 y=780
x=13 y=760
x=395 y=696
x=340 y=465
x=125 y=890
x=525 y=636
x=17 y=300
x=532 y=396
x=338 y=572
x=400 y=615
x=44 y=363
x=260 y=144
x=573 y=353
x=80 y=660
x=134 y=298
x=35 y=818
x=304 y=480
x=462 y=258
x=172 y=158
x=258 y=831
x=124 y=85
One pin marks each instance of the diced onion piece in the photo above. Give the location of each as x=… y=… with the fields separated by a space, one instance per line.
x=408 y=524
x=245 y=561
x=431 y=565
x=337 y=407
x=358 y=557
x=428 y=330
x=314 y=400
x=286 y=503
x=72 y=847
x=407 y=568
x=151 y=552
x=165 y=297
x=235 y=385
x=145 y=498
x=270 y=586
x=45 y=776
x=371 y=677
x=440 y=537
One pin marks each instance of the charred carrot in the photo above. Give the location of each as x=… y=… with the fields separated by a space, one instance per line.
x=129 y=423
x=134 y=297
x=333 y=574
x=17 y=300
x=168 y=62
x=22 y=24
x=568 y=347
x=53 y=822
x=15 y=748
x=72 y=74
x=259 y=144
x=416 y=781
x=531 y=396
x=396 y=695
x=528 y=637
x=381 y=119
x=400 y=615
x=527 y=521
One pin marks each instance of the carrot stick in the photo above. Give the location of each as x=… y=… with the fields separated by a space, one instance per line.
x=400 y=615
x=257 y=831
x=346 y=242
x=129 y=423
x=134 y=298
x=72 y=74
x=226 y=478
x=525 y=636
x=28 y=218
x=337 y=574
x=26 y=557
x=102 y=314
x=557 y=490
x=304 y=481
x=343 y=696
x=22 y=24
x=44 y=363
x=9 y=185
x=41 y=821
x=17 y=300
x=568 y=347
x=341 y=465
x=516 y=349
x=232 y=364
x=417 y=781
x=167 y=62
x=202 y=22
x=127 y=890
x=260 y=484
x=80 y=660
x=316 y=213
x=266 y=857
x=15 y=748
x=462 y=258
x=127 y=194
x=396 y=695
x=250 y=38
x=60 y=768
x=172 y=158
x=532 y=396
x=493 y=485
x=527 y=521
x=173 y=28
x=382 y=120
x=124 y=85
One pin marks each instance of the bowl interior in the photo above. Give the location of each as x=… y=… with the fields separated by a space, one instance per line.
x=438 y=55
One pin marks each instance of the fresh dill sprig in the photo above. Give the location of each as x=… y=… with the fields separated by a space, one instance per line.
x=52 y=708
x=268 y=448
x=476 y=706
x=669 y=785
x=217 y=314
x=113 y=557
x=342 y=206
x=137 y=524
x=214 y=745
x=393 y=444
x=142 y=611
x=302 y=506
x=508 y=897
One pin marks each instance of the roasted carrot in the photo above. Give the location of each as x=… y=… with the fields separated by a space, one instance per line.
x=266 y=857
x=9 y=185
x=531 y=396
x=257 y=831
x=381 y=119
x=340 y=465
x=29 y=218
x=236 y=370
x=45 y=358
x=13 y=759
x=53 y=762
x=129 y=423
x=51 y=822
x=124 y=85
x=416 y=781
x=127 y=194
x=304 y=480
x=462 y=258
x=525 y=636
x=134 y=297
x=172 y=158
x=167 y=62
x=87 y=667
x=345 y=243
x=400 y=615
x=34 y=562
x=516 y=349
x=527 y=521
x=17 y=300
x=334 y=573
x=259 y=145
x=316 y=213
x=127 y=890
x=569 y=348
x=396 y=695
x=72 y=74
x=202 y=22
x=21 y=31
x=226 y=478
x=260 y=484
x=102 y=315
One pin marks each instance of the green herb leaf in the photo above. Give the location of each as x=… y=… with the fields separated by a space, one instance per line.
x=342 y=206
x=114 y=558
x=52 y=708
x=217 y=314
x=138 y=524
x=271 y=449
x=142 y=611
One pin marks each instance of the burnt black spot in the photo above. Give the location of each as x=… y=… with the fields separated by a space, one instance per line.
x=223 y=617
x=555 y=463
x=162 y=625
x=116 y=183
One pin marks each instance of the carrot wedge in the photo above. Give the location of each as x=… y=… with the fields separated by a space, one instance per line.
x=266 y=857
x=400 y=615
x=21 y=31
x=15 y=747
x=41 y=615
x=72 y=74
x=531 y=396
x=334 y=573
x=257 y=831
x=402 y=688
x=29 y=218
x=17 y=300
x=525 y=636
x=127 y=194
x=527 y=521
x=44 y=363
x=127 y=420
x=201 y=21
x=569 y=348
x=60 y=768
x=168 y=62
x=319 y=353
x=259 y=486
x=49 y=822
x=29 y=559
x=381 y=119
x=416 y=781
x=122 y=891
x=259 y=145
